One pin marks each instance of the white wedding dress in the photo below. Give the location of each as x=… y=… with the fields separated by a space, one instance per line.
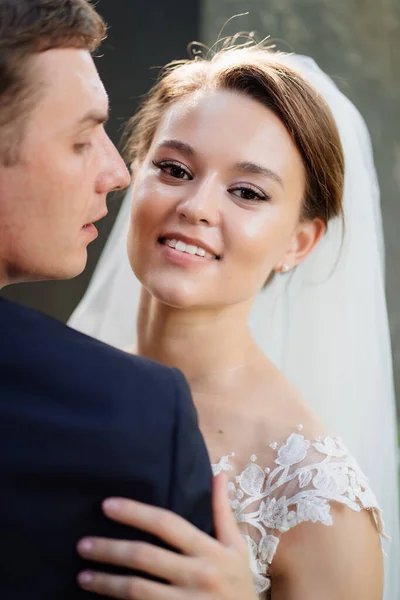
x=299 y=483
x=325 y=326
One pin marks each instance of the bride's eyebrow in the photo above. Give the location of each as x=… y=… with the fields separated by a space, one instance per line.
x=249 y=167
x=182 y=147
x=243 y=167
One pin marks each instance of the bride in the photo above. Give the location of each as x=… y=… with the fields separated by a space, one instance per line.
x=237 y=170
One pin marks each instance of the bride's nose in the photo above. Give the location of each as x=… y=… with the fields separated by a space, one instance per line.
x=200 y=205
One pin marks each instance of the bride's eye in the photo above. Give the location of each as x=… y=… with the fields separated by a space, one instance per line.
x=249 y=193
x=173 y=169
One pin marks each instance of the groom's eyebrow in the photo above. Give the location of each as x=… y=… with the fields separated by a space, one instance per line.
x=95 y=117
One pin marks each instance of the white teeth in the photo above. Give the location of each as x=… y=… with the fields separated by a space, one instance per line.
x=188 y=248
x=181 y=246
x=191 y=249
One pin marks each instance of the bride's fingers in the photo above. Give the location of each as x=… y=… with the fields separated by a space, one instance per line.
x=159 y=562
x=130 y=588
x=162 y=523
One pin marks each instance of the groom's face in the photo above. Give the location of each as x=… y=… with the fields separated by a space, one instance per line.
x=50 y=198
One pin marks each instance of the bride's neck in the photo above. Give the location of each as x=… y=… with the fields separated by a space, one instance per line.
x=208 y=346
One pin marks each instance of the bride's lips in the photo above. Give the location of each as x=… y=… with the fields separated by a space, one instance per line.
x=183 y=258
x=180 y=237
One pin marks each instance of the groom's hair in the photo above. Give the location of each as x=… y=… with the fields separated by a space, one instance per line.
x=29 y=27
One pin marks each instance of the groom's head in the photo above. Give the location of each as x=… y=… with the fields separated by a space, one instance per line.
x=57 y=164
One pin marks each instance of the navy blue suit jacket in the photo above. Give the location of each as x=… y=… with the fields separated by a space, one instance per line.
x=81 y=421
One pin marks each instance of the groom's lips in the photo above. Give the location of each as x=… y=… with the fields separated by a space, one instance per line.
x=91 y=230
x=91 y=223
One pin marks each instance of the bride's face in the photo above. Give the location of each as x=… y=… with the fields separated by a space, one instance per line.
x=216 y=202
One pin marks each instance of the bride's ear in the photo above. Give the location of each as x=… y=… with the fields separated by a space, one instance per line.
x=304 y=240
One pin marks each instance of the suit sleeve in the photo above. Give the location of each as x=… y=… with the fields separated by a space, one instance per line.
x=191 y=475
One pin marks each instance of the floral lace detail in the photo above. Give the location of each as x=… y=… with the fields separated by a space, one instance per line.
x=307 y=477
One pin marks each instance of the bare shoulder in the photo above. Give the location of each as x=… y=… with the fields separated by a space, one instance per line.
x=340 y=562
x=310 y=519
x=316 y=505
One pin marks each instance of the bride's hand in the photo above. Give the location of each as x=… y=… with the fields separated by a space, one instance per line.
x=208 y=568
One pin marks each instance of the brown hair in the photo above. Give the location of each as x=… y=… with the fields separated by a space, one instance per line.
x=28 y=27
x=260 y=73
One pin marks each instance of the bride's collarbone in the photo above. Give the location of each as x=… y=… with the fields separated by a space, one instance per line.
x=224 y=425
x=238 y=428
x=247 y=423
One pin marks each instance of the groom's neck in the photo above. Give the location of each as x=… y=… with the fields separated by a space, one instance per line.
x=4 y=279
x=8 y=274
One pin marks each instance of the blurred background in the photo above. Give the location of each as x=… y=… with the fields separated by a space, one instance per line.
x=356 y=42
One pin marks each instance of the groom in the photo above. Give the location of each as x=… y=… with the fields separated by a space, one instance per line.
x=79 y=421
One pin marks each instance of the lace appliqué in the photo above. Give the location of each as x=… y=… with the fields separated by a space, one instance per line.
x=307 y=477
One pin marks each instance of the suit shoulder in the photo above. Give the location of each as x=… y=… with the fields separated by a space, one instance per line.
x=79 y=358
x=124 y=373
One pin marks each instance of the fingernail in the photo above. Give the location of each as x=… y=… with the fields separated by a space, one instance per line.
x=85 y=577
x=111 y=505
x=85 y=546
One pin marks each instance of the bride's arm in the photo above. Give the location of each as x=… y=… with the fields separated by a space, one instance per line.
x=339 y=562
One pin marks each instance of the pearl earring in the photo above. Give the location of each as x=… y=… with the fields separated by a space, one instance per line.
x=285 y=268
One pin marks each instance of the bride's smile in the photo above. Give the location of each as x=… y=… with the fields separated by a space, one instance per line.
x=216 y=202
x=182 y=244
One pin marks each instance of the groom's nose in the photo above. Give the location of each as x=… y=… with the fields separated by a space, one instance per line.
x=114 y=173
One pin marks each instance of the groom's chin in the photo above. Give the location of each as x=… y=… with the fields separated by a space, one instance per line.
x=74 y=268
x=68 y=268
x=35 y=268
